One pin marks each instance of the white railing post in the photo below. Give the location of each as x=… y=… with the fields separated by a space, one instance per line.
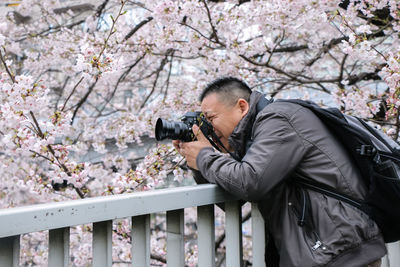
x=141 y=241
x=59 y=247
x=9 y=251
x=102 y=244
x=175 y=238
x=258 y=236
x=206 y=236
x=385 y=261
x=393 y=256
x=233 y=230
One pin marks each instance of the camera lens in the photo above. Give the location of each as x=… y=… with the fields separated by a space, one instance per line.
x=172 y=130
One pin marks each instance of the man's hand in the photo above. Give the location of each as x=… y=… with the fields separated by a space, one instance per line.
x=190 y=150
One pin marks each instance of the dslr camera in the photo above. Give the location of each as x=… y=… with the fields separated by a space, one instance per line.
x=181 y=130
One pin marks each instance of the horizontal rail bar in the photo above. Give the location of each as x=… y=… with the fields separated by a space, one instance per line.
x=27 y=219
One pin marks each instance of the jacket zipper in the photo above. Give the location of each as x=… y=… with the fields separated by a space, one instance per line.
x=318 y=243
x=302 y=221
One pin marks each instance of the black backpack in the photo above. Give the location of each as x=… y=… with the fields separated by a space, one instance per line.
x=378 y=158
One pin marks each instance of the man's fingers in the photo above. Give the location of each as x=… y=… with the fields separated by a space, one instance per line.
x=196 y=129
x=177 y=144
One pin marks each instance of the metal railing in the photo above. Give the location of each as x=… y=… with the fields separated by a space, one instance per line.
x=101 y=211
x=59 y=217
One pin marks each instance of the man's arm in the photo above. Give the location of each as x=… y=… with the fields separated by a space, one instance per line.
x=276 y=150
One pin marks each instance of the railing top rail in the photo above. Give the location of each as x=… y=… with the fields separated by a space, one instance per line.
x=20 y=220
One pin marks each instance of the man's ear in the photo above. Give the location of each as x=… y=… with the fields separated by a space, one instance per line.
x=244 y=106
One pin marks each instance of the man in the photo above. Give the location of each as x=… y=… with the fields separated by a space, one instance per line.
x=276 y=145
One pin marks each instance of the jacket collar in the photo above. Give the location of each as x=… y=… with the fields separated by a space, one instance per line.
x=242 y=132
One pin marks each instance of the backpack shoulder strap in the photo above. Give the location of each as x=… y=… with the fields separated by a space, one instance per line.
x=328 y=191
x=263 y=102
x=314 y=107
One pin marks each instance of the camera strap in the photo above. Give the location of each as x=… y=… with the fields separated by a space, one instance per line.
x=207 y=130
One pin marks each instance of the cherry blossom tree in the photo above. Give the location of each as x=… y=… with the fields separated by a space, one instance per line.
x=82 y=84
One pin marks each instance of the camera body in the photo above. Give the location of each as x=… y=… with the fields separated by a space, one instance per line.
x=178 y=130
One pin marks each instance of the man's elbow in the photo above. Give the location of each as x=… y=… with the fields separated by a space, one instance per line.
x=250 y=183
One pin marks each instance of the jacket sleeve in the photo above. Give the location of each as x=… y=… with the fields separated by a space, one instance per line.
x=275 y=152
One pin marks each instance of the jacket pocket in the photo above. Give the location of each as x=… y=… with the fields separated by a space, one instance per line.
x=300 y=205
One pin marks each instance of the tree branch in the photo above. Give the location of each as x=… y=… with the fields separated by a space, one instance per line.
x=74 y=8
x=353 y=79
x=112 y=29
x=73 y=90
x=214 y=30
x=51 y=30
x=342 y=70
x=83 y=100
x=121 y=79
x=50 y=148
x=221 y=238
x=100 y=9
x=160 y=68
x=137 y=27
x=169 y=75
x=396 y=136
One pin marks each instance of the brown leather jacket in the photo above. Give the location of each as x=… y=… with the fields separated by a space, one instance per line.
x=281 y=142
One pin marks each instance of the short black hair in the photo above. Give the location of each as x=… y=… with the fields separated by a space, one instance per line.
x=230 y=89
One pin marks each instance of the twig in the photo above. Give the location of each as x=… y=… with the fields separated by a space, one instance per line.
x=50 y=148
x=221 y=238
x=51 y=30
x=158 y=71
x=276 y=45
x=341 y=70
x=73 y=91
x=158 y=258
x=61 y=92
x=40 y=155
x=396 y=136
x=169 y=75
x=111 y=30
x=83 y=100
x=6 y=67
x=199 y=32
x=121 y=79
x=97 y=61
x=214 y=30
x=377 y=33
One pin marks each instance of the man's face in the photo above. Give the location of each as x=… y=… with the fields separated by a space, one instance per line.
x=223 y=117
